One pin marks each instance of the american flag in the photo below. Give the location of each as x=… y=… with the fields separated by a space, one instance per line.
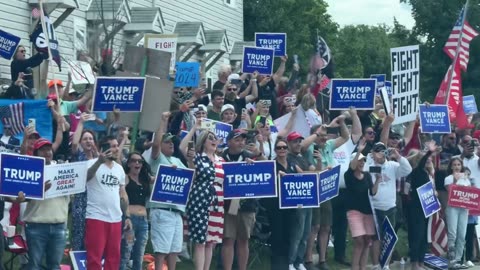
x=13 y=115
x=460 y=37
x=437 y=234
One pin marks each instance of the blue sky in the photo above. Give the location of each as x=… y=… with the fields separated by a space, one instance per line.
x=370 y=12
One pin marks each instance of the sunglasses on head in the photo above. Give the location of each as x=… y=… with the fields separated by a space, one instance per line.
x=283 y=147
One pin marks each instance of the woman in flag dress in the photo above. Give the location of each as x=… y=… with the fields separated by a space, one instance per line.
x=205 y=204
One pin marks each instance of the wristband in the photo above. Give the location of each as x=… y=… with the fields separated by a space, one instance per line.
x=253 y=80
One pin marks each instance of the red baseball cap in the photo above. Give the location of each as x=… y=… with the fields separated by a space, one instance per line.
x=294 y=136
x=54 y=82
x=41 y=143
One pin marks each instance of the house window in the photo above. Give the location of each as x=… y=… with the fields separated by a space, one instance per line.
x=80 y=37
x=230 y=3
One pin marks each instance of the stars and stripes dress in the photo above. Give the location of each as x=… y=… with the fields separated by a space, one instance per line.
x=205 y=205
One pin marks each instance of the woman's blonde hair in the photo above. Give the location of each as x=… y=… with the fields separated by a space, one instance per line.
x=308 y=102
x=201 y=138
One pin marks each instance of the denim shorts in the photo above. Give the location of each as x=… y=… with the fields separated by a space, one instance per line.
x=166 y=231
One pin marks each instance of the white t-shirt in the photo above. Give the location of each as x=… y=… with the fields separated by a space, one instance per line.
x=472 y=165
x=460 y=182
x=103 y=193
x=341 y=155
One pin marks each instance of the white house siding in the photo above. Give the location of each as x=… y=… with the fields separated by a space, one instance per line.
x=15 y=17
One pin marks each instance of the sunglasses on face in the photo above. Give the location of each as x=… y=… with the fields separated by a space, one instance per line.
x=232 y=89
x=284 y=147
x=138 y=161
x=451 y=138
x=371 y=132
x=212 y=137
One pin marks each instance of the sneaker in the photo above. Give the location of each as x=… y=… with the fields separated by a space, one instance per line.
x=469 y=264
x=386 y=267
x=301 y=267
x=291 y=267
x=323 y=266
x=310 y=266
x=377 y=267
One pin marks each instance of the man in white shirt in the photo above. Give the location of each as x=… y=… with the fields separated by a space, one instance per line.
x=470 y=159
x=107 y=200
x=384 y=202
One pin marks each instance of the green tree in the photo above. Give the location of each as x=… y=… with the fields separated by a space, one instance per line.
x=299 y=19
x=434 y=20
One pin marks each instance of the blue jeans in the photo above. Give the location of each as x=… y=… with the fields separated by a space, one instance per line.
x=45 y=239
x=457 y=220
x=301 y=223
x=136 y=249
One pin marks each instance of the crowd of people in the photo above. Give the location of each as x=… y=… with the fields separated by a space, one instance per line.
x=114 y=219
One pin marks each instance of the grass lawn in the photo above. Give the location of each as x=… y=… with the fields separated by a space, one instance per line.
x=262 y=261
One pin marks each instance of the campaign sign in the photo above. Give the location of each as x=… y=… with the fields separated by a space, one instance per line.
x=405 y=64
x=434 y=262
x=81 y=73
x=8 y=44
x=388 y=86
x=389 y=240
x=172 y=185
x=276 y=41
x=255 y=180
x=469 y=104
x=66 y=179
x=257 y=59
x=359 y=93
x=22 y=173
x=329 y=184
x=187 y=74
x=123 y=93
x=79 y=260
x=380 y=80
x=430 y=203
x=299 y=191
x=220 y=129
x=435 y=119
x=464 y=197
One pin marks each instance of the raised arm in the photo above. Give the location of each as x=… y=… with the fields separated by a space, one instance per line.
x=288 y=127
x=253 y=84
x=162 y=129
x=281 y=70
x=387 y=123
x=339 y=121
x=78 y=132
x=356 y=125
x=189 y=137
x=360 y=147
x=59 y=135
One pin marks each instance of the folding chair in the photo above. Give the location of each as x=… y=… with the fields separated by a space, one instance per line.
x=16 y=246
x=259 y=240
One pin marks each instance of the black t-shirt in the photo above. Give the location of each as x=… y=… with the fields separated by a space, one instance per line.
x=357 y=192
x=301 y=161
x=268 y=92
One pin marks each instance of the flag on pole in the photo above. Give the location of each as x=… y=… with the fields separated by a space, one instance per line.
x=12 y=115
x=322 y=56
x=459 y=39
x=455 y=98
x=39 y=40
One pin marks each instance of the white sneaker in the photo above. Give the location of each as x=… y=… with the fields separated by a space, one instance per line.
x=386 y=267
x=377 y=267
x=469 y=264
x=301 y=267
x=291 y=267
